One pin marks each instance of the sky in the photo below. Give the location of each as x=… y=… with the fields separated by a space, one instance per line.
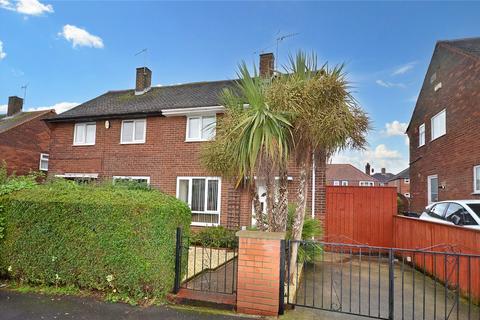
x=68 y=52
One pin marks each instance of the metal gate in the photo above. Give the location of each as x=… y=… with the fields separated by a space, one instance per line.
x=206 y=270
x=383 y=283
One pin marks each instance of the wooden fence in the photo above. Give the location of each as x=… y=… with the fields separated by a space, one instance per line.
x=412 y=233
x=360 y=215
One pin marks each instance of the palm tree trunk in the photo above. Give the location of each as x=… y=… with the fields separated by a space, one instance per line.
x=270 y=200
x=281 y=209
x=257 y=209
x=299 y=218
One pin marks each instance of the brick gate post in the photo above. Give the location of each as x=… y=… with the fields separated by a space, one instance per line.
x=258 y=286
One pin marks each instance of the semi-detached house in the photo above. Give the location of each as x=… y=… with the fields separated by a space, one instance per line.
x=155 y=135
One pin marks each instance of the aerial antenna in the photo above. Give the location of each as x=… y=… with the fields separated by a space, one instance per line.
x=280 y=39
x=24 y=88
x=144 y=52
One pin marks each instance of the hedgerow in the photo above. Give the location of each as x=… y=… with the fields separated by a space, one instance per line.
x=108 y=239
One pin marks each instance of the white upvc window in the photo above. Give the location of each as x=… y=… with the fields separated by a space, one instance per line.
x=439 y=126
x=140 y=179
x=421 y=135
x=344 y=183
x=133 y=131
x=202 y=194
x=201 y=128
x=406 y=181
x=84 y=134
x=366 y=183
x=476 y=179
x=432 y=188
x=43 y=166
x=336 y=183
x=406 y=194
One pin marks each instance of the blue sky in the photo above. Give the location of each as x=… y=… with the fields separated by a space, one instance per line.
x=69 y=52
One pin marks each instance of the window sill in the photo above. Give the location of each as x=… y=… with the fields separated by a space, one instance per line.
x=421 y=145
x=83 y=145
x=476 y=193
x=197 y=140
x=204 y=224
x=134 y=142
x=438 y=137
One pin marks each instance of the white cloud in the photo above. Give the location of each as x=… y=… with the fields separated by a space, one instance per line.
x=388 y=84
x=404 y=69
x=396 y=128
x=407 y=141
x=3 y=107
x=27 y=7
x=3 y=54
x=59 y=107
x=80 y=37
x=380 y=157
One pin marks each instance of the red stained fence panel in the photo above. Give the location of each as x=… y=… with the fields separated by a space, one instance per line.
x=360 y=215
x=411 y=233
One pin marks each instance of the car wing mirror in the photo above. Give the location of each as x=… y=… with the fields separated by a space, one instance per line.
x=456 y=220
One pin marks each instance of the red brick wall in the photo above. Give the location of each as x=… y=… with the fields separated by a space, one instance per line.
x=453 y=155
x=401 y=186
x=21 y=146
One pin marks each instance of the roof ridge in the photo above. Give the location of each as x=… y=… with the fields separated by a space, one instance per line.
x=174 y=85
x=455 y=49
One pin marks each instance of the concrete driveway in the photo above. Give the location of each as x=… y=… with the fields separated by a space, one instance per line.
x=26 y=306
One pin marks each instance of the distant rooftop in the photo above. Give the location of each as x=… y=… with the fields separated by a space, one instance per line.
x=470 y=46
x=7 y=123
x=346 y=172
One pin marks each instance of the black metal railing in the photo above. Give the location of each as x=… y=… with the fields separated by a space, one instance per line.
x=207 y=266
x=383 y=283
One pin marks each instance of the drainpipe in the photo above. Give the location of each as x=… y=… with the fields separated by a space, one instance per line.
x=313 y=186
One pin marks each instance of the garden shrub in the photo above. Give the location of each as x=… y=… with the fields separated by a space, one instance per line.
x=216 y=237
x=110 y=239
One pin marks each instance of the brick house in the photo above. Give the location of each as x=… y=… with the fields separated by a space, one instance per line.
x=402 y=182
x=444 y=129
x=348 y=175
x=24 y=138
x=155 y=135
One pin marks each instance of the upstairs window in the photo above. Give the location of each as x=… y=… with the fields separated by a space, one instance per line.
x=336 y=183
x=366 y=183
x=133 y=131
x=344 y=183
x=439 y=127
x=406 y=181
x=84 y=134
x=201 y=128
x=43 y=162
x=421 y=135
x=476 y=179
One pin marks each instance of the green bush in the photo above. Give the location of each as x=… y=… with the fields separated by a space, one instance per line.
x=108 y=239
x=216 y=237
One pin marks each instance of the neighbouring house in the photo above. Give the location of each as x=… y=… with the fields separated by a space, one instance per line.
x=348 y=175
x=444 y=129
x=24 y=138
x=383 y=177
x=155 y=135
x=402 y=182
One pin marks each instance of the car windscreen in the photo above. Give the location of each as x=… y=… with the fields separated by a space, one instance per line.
x=475 y=208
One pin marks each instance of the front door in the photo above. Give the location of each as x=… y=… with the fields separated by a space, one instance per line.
x=432 y=182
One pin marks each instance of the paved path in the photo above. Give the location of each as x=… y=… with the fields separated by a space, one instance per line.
x=27 y=306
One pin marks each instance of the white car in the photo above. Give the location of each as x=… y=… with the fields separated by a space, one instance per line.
x=454 y=212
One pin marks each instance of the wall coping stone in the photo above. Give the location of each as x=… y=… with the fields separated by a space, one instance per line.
x=261 y=235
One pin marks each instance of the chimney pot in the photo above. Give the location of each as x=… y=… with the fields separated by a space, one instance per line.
x=367 y=168
x=15 y=105
x=384 y=171
x=143 y=81
x=267 y=62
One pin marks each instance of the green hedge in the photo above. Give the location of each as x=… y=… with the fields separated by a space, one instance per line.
x=109 y=239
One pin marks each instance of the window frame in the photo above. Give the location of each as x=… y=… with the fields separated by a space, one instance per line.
x=344 y=183
x=84 y=143
x=475 y=177
x=429 y=191
x=205 y=211
x=201 y=138
x=42 y=155
x=421 y=138
x=336 y=183
x=365 y=183
x=406 y=180
x=433 y=127
x=131 y=178
x=134 y=141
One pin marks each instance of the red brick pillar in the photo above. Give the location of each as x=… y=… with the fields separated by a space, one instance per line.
x=258 y=287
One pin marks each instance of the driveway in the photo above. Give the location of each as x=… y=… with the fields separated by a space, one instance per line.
x=27 y=306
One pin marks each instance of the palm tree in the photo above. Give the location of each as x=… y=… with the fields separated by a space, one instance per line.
x=252 y=141
x=325 y=117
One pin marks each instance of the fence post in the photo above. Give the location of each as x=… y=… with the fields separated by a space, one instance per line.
x=178 y=260
x=281 y=305
x=391 y=281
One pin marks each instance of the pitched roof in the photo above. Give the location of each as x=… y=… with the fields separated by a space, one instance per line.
x=470 y=46
x=346 y=172
x=125 y=102
x=7 y=123
x=405 y=174
x=383 y=177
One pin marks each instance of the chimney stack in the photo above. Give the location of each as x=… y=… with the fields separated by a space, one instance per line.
x=367 y=168
x=143 y=81
x=267 y=63
x=384 y=171
x=15 y=105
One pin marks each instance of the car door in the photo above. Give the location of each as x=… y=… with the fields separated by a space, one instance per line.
x=455 y=210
